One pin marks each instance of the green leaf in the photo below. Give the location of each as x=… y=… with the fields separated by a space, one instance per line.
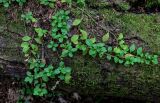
x=68 y=70
x=89 y=42
x=84 y=34
x=29 y=79
x=45 y=78
x=74 y=39
x=121 y=42
x=92 y=53
x=34 y=20
x=109 y=57
x=61 y=77
x=40 y=32
x=121 y=61
x=25 y=44
x=83 y=47
x=139 y=51
x=93 y=40
x=38 y=91
x=70 y=54
x=44 y=91
x=147 y=62
x=120 y=37
x=124 y=47
x=29 y=73
x=105 y=37
x=76 y=22
x=127 y=63
x=26 y=38
x=49 y=46
x=155 y=59
x=32 y=65
x=6 y=5
x=74 y=49
x=67 y=78
x=116 y=59
x=117 y=50
x=109 y=49
x=57 y=71
x=132 y=48
x=34 y=47
x=38 y=40
x=65 y=53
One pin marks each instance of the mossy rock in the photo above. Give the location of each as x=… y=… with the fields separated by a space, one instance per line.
x=90 y=77
x=140 y=81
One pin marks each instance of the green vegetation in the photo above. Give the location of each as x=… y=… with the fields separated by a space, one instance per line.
x=62 y=44
x=40 y=73
x=28 y=17
x=6 y=3
x=37 y=74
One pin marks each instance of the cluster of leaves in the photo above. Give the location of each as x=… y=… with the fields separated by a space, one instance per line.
x=28 y=17
x=68 y=50
x=39 y=72
x=59 y=26
x=124 y=6
x=145 y=3
x=152 y=3
x=39 y=75
x=49 y=3
x=123 y=54
x=81 y=2
x=6 y=3
x=28 y=47
x=88 y=45
x=126 y=55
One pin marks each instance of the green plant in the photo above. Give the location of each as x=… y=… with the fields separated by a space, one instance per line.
x=124 y=6
x=38 y=77
x=81 y=2
x=39 y=72
x=122 y=53
x=52 y=45
x=50 y=3
x=21 y=2
x=28 y=17
x=59 y=25
x=42 y=71
x=152 y=3
x=5 y=3
x=63 y=72
x=131 y=55
x=40 y=34
x=68 y=50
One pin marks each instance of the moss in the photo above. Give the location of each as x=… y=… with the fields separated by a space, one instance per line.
x=9 y=41
x=89 y=77
x=137 y=81
x=97 y=3
x=85 y=74
x=146 y=26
